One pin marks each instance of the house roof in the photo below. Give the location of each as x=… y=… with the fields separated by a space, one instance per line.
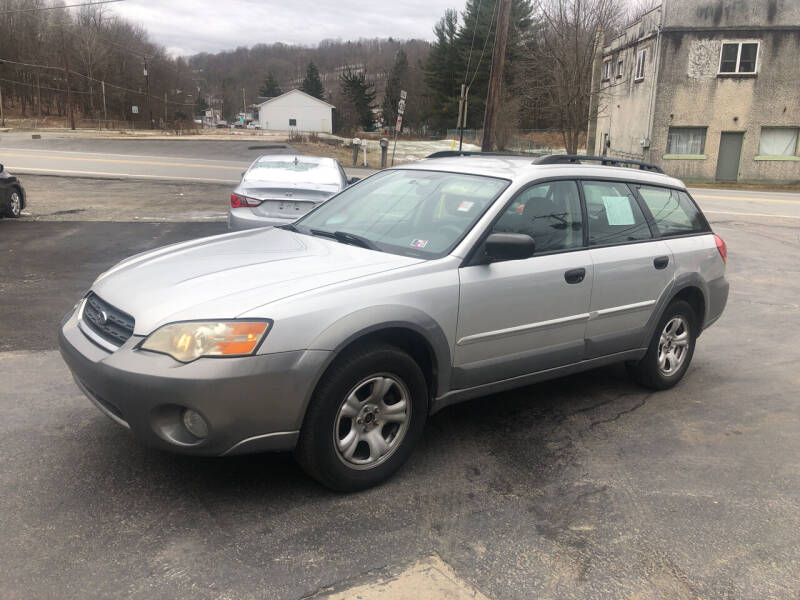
x=292 y=92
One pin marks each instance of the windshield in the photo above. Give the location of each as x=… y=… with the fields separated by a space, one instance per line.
x=293 y=170
x=416 y=213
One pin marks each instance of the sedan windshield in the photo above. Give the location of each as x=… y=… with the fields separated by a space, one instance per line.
x=416 y=213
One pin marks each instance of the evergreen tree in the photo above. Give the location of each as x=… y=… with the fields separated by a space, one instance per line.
x=394 y=84
x=200 y=105
x=462 y=53
x=360 y=95
x=270 y=89
x=312 y=84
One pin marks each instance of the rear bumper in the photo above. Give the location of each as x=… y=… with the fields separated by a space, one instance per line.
x=251 y=404
x=243 y=218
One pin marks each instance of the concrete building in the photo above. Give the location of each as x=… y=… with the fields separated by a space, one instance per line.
x=296 y=111
x=707 y=89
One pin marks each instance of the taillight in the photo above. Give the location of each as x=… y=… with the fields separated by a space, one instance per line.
x=723 y=249
x=238 y=201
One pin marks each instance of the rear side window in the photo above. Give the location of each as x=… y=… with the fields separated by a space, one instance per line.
x=673 y=211
x=614 y=214
x=550 y=213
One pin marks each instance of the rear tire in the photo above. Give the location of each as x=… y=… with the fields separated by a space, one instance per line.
x=364 y=419
x=13 y=205
x=671 y=348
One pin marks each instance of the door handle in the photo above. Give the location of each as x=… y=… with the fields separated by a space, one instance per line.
x=575 y=275
x=661 y=262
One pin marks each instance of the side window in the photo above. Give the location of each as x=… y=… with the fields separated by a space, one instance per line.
x=673 y=211
x=614 y=215
x=550 y=213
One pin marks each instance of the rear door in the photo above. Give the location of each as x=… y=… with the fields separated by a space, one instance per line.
x=631 y=268
x=521 y=316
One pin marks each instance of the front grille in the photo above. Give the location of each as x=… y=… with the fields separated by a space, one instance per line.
x=108 y=322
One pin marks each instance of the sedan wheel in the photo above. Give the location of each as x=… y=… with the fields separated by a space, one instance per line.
x=14 y=208
x=673 y=345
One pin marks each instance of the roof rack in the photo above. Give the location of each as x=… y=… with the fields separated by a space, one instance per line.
x=607 y=161
x=451 y=153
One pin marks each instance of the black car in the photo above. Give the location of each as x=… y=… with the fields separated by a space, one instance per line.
x=12 y=196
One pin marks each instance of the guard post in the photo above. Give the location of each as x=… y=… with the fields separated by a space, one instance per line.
x=356 y=146
x=384 y=152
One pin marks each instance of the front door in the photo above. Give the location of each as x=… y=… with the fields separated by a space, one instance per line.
x=730 y=153
x=521 y=316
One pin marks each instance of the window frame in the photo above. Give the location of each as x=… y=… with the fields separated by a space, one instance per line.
x=648 y=215
x=620 y=66
x=779 y=156
x=705 y=140
x=292 y=122
x=739 y=43
x=641 y=61
x=608 y=68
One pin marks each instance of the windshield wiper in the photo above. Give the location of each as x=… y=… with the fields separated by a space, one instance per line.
x=288 y=227
x=346 y=237
x=354 y=239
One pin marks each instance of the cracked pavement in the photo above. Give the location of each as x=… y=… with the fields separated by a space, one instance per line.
x=585 y=486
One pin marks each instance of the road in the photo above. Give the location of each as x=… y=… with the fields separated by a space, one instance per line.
x=221 y=162
x=184 y=159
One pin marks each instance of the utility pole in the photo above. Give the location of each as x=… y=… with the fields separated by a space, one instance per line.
x=69 y=86
x=493 y=97
x=105 y=113
x=2 y=114
x=147 y=92
x=38 y=96
x=244 y=108
x=165 y=109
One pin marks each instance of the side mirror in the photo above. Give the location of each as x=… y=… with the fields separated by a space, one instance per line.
x=509 y=246
x=1 y=167
x=353 y=180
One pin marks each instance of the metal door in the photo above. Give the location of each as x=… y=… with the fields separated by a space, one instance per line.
x=730 y=152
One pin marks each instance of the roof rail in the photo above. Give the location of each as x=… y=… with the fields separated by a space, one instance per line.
x=451 y=153
x=607 y=161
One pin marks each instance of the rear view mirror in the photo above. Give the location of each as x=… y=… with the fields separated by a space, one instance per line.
x=509 y=246
x=353 y=180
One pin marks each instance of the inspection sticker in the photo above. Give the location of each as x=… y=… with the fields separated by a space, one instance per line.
x=465 y=206
x=419 y=243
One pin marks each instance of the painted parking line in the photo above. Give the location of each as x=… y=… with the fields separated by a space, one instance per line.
x=749 y=214
x=746 y=199
x=34 y=171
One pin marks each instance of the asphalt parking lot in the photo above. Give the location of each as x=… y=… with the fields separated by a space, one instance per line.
x=586 y=486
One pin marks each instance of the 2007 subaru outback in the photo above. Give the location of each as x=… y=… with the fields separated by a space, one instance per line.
x=421 y=286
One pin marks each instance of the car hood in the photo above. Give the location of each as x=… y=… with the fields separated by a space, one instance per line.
x=222 y=277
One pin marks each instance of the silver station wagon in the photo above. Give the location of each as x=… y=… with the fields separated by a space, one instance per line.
x=423 y=285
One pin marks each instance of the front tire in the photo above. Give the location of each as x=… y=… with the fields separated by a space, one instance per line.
x=364 y=419
x=13 y=206
x=671 y=348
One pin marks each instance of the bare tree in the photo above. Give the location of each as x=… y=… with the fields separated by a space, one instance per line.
x=557 y=79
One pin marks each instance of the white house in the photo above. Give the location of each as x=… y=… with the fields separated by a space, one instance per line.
x=295 y=111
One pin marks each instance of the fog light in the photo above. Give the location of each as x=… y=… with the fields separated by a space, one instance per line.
x=195 y=424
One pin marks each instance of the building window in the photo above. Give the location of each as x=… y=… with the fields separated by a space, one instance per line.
x=778 y=141
x=738 y=57
x=608 y=67
x=641 y=59
x=686 y=140
x=619 y=68
x=292 y=122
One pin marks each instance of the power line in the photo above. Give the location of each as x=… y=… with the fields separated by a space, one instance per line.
x=472 y=43
x=41 y=87
x=485 y=42
x=27 y=10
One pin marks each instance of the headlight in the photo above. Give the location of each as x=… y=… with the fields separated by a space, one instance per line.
x=190 y=340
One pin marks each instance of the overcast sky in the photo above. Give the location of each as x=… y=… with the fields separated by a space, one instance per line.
x=191 y=26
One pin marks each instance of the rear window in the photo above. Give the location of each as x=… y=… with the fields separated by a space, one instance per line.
x=673 y=211
x=298 y=170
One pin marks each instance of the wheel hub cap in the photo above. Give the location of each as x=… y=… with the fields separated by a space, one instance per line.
x=673 y=345
x=372 y=421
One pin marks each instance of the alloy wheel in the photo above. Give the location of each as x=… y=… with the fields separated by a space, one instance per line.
x=372 y=421
x=673 y=346
x=15 y=204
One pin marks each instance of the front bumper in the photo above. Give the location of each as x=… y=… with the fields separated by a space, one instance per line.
x=251 y=404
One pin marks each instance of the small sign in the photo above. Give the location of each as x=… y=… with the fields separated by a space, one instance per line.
x=209 y=114
x=399 y=125
x=135 y=109
x=403 y=94
x=401 y=107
